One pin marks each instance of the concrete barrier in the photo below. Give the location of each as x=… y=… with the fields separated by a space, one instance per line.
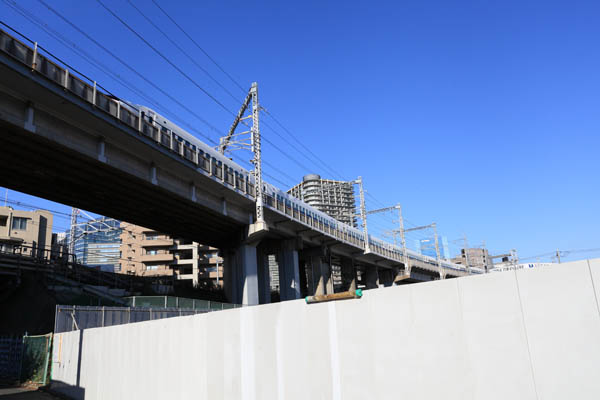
x=530 y=334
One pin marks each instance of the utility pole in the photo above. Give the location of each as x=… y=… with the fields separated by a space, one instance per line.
x=363 y=213
x=257 y=160
x=558 y=255
x=437 y=251
x=466 y=248
x=437 y=247
x=74 y=214
x=241 y=140
x=395 y=231
x=403 y=239
x=515 y=258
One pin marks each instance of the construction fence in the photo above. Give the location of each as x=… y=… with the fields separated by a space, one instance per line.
x=25 y=358
x=178 y=302
x=72 y=318
x=11 y=349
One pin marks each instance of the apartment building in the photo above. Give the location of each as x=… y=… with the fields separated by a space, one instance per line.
x=477 y=257
x=30 y=230
x=334 y=198
x=146 y=252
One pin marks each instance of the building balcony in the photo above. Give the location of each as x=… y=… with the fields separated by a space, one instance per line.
x=184 y=261
x=157 y=242
x=210 y=274
x=157 y=258
x=11 y=239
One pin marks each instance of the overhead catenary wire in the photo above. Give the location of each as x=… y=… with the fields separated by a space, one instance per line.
x=199 y=47
x=174 y=43
x=306 y=148
x=165 y=58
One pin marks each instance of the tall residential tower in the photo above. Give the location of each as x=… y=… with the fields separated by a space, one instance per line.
x=334 y=198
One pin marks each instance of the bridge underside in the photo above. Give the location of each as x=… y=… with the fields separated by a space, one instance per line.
x=33 y=165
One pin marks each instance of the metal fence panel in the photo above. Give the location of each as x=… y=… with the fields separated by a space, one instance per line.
x=178 y=302
x=11 y=347
x=186 y=303
x=70 y=318
x=36 y=355
x=115 y=316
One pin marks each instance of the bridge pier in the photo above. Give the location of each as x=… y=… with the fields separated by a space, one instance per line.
x=289 y=271
x=317 y=265
x=348 y=274
x=387 y=277
x=241 y=275
x=264 y=276
x=372 y=275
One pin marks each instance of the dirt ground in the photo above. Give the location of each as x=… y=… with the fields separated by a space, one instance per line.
x=24 y=393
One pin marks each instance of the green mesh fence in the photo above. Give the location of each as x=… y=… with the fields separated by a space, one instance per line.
x=35 y=359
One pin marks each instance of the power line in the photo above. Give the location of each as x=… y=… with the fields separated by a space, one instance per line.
x=303 y=145
x=199 y=47
x=564 y=253
x=171 y=63
x=181 y=50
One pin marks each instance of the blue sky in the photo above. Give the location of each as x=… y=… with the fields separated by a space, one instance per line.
x=481 y=117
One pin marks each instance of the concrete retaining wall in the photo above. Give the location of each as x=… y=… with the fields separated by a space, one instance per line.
x=530 y=334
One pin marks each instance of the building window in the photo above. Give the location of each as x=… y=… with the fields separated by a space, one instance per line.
x=19 y=223
x=3 y=220
x=151 y=236
x=151 y=252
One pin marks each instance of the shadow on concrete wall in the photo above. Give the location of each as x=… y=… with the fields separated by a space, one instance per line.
x=67 y=389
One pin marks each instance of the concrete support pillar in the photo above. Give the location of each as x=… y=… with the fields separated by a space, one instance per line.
x=322 y=273
x=442 y=274
x=386 y=277
x=348 y=274
x=318 y=273
x=195 y=270
x=311 y=279
x=153 y=178
x=289 y=274
x=317 y=270
x=241 y=277
x=372 y=274
x=29 y=113
x=101 y=149
x=264 y=277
